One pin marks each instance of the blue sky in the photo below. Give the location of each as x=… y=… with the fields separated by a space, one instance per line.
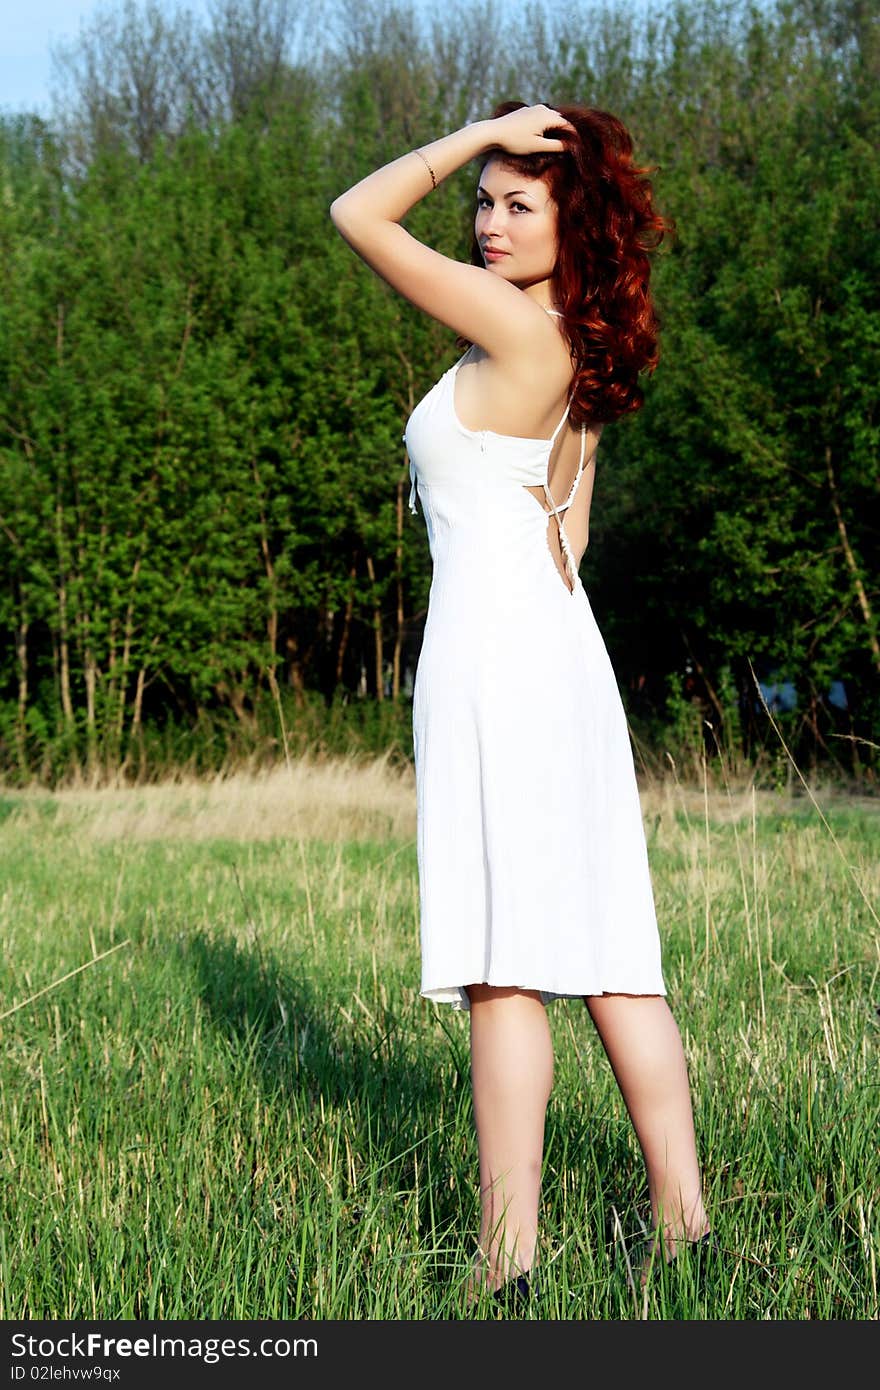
x=27 y=29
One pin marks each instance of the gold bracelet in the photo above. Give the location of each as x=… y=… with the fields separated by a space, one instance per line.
x=428 y=167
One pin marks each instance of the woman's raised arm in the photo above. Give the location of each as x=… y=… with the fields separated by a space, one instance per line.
x=477 y=305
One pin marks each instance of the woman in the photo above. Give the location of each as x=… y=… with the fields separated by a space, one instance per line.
x=533 y=872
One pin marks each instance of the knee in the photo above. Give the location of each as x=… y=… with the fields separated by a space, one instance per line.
x=483 y=993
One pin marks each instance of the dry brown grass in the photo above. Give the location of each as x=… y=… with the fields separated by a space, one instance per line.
x=344 y=798
x=328 y=799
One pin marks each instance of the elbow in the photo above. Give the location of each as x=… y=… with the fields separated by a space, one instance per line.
x=343 y=217
x=344 y=226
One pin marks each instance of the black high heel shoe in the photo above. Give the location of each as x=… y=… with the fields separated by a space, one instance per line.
x=515 y=1293
x=704 y=1246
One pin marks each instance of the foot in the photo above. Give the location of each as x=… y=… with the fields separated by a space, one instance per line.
x=702 y=1245
x=513 y=1296
x=499 y=1282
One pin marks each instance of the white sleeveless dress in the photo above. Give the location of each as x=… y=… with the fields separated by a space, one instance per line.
x=532 y=861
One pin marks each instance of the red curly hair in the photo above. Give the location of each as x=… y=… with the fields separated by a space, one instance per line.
x=607 y=227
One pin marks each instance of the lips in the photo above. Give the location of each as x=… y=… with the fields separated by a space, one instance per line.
x=490 y=253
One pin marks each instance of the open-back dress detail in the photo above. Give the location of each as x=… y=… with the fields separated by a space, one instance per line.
x=532 y=860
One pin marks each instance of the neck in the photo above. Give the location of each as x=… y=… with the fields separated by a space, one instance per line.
x=542 y=293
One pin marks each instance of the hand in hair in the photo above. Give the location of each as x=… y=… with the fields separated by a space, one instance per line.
x=522 y=131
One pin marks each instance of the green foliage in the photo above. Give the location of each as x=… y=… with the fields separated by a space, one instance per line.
x=202 y=392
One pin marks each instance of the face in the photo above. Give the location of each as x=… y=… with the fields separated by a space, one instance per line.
x=515 y=225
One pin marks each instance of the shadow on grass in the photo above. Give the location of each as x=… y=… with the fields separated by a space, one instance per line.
x=386 y=1080
x=374 y=1084
x=296 y=1038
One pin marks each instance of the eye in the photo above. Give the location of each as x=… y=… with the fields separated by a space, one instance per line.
x=520 y=207
x=483 y=201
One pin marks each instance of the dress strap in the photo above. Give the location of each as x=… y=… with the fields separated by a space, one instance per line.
x=552 y=440
x=557 y=315
x=554 y=511
x=563 y=506
x=412 y=479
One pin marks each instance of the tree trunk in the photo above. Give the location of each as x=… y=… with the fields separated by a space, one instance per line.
x=852 y=563
x=269 y=567
x=90 y=673
x=137 y=712
x=63 y=634
x=126 y=655
x=64 y=654
x=135 y=732
x=235 y=694
x=21 y=633
x=707 y=684
x=295 y=667
x=398 y=552
x=377 y=633
x=346 y=625
x=398 y=570
x=112 y=735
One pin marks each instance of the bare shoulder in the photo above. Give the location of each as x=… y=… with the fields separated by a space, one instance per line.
x=521 y=388
x=535 y=357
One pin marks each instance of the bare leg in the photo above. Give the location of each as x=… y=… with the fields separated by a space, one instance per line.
x=643 y=1045
x=511 y=1074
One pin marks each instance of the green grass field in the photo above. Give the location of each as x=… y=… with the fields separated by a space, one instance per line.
x=240 y=1108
